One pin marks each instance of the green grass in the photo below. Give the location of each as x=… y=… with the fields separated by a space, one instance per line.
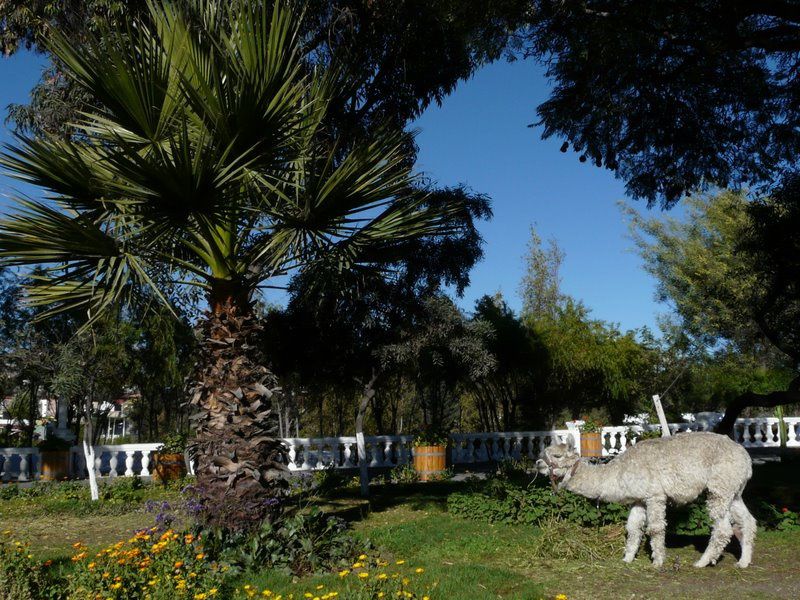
x=465 y=559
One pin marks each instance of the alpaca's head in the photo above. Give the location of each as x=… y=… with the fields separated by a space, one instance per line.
x=558 y=459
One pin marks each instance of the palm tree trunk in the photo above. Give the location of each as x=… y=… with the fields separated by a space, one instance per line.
x=239 y=473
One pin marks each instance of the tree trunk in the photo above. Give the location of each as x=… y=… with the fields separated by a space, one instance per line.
x=770 y=400
x=240 y=464
x=363 y=467
x=88 y=448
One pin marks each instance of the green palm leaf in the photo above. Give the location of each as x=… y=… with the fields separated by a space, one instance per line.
x=208 y=153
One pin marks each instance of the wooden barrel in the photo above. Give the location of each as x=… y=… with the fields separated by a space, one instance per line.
x=55 y=465
x=591 y=445
x=430 y=461
x=168 y=467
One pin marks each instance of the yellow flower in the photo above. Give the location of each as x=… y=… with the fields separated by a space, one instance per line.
x=400 y=562
x=561 y=597
x=213 y=592
x=419 y=570
x=116 y=586
x=200 y=596
x=426 y=598
x=344 y=573
x=266 y=593
x=382 y=576
x=363 y=575
x=200 y=556
x=362 y=557
x=178 y=564
x=320 y=586
x=358 y=565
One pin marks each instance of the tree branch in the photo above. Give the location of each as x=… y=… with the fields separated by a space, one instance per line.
x=772 y=399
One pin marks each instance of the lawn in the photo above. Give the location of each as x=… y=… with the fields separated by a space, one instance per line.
x=459 y=558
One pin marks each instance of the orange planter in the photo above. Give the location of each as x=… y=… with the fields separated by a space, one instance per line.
x=591 y=445
x=55 y=465
x=430 y=461
x=168 y=467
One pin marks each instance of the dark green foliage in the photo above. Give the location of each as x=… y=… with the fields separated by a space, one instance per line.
x=301 y=543
x=780 y=518
x=672 y=95
x=174 y=443
x=53 y=444
x=511 y=496
x=513 y=500
x=327 y=480
x=403 y=474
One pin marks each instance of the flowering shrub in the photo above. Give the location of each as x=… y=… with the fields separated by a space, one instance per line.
x=366 y=579
x=22 y=577
x=148 y=565
x=778 y=517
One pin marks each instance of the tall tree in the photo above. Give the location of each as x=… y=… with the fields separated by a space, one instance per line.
x=673 y=95
x=540 y=288
x=206 y=161
x=730 y=273
x=389 y=76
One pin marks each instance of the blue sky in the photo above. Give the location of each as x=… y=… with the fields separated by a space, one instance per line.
x=480 y=137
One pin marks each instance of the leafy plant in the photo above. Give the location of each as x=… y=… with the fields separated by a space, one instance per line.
x=645 y=434
x=165 y=566
x=778 y=517
x=174 y=443
x=301 y=543
x=431 y=438
x=22 y=577
x=404 y=474
x=327 y=480
x=591 y=425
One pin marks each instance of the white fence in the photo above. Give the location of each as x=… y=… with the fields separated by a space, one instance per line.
x=762 y=432
x=310 y=454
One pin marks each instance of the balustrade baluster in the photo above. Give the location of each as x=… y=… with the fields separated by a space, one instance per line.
x=112 y=464
x=348 y=453
x=129 y=463
x=23 y=467
x=145 y=463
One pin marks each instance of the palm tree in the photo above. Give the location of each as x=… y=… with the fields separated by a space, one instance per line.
x=208 y=161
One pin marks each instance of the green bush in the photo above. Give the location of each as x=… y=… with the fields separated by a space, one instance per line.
x=778 y=518
x=22 y=577
x=301 y=543
x=403 y=474
x=498 y=500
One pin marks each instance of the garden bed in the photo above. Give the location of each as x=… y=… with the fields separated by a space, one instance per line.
x=456 y=557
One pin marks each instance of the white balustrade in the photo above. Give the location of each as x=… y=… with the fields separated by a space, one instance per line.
x=469 y=448
x=389 y=451
x=311 y=454
x=19 y=464
x=792 y=425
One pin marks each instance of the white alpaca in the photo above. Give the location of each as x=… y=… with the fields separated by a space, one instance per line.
x=653 y=472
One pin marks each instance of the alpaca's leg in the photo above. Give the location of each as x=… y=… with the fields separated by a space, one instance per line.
x=746 y=524
x=657 y=527
x=719 y=510
x=635 y=528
